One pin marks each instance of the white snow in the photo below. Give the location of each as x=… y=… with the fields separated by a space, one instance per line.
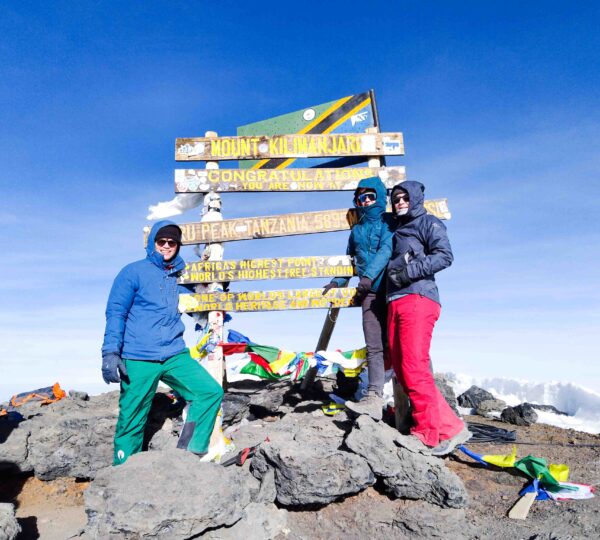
x=582 y=405
x=181 y=203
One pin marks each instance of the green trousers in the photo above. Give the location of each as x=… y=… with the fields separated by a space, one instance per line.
x=189 y=379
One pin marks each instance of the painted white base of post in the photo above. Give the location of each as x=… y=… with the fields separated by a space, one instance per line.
x=214 y=363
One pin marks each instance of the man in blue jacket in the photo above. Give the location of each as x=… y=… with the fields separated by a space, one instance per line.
x=143 y=344
x=420 y=249
x=370 y=245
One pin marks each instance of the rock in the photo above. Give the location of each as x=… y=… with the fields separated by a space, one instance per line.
x=521 y=415
x=487 y=406
x=165 y=438
x=14 y=453
x=406 y=470
x=260 y=522
x=441 y=381
x=473 y=397
x=267 y=492
x=76 y=394
x=266 y=397
x=9 y=526
x=164 y=416
x=267 y=402
x=372 y=515
x=309 y=467
x=130 y=502
x=421 y=520
x=236 y=407
x=309 y=475
x=73 y=438
x=547 y=408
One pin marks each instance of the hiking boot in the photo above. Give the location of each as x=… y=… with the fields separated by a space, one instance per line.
x=371 y=405
x=447 y=447
x=414 y=444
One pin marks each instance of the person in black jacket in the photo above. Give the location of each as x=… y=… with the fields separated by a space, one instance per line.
x=420 y=249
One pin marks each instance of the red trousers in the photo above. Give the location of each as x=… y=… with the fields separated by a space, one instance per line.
x=410 y=325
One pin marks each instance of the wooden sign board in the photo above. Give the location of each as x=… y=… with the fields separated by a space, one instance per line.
x=289 y=146
x=258 y=269
x=267 y=300
x=229 y=230
x=232 y=180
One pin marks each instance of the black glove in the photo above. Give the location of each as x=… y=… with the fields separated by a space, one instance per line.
x=113 y=368
x=398 y=275
x=364 y=287
x=329 y=286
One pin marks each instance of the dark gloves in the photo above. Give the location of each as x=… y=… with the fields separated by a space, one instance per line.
x=113 y=368
x=398 y=275
x=329 y=286
x=364 y=287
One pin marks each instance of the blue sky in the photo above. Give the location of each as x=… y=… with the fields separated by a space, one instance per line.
x=498 y=103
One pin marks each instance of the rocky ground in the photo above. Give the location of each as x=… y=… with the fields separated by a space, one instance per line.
x=317 y=477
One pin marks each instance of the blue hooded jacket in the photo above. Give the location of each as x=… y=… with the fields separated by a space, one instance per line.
x=420 y=245
x=142 y=320
x=370 y=242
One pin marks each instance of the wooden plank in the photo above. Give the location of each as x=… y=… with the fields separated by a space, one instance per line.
x=259 y=269
x=521 y=508
x=230 y=230
x=289 y=146
x=267 y=300
x=235 y=180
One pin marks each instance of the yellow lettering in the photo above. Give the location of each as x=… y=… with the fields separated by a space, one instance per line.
x=302 y=144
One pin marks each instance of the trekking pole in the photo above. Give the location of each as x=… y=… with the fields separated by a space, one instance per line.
x=323 y=343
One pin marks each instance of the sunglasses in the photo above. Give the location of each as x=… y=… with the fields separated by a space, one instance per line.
x=369 y=196
x=400 y=197
x=162 y=242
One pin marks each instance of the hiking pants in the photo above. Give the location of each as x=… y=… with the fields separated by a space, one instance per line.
x=373 y=320
x=189 y=379
x=410 y=325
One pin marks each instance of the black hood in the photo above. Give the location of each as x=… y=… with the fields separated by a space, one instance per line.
x=416 y=194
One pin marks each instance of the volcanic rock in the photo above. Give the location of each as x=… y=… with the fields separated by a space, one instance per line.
x=73 y=437
x=487 y=406
x=131 y=502
x=259 y=522
x=9 y=526
x=13 y=447
x=235 y=408
x=521 y=415
x=309 y=467
x=405 y=466
x=473 y=397
x=441 y=381
x=547 y=408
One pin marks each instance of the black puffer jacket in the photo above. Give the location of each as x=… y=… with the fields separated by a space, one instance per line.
x=420 y=248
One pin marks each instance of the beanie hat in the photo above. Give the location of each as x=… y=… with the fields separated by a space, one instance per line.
x=171 y=232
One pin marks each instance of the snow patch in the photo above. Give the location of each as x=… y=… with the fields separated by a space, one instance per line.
x=582 y=405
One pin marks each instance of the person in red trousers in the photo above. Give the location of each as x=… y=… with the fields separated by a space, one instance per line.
x=420 y=249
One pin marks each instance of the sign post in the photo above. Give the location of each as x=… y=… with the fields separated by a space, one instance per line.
x=321 y=142
x=214 y=363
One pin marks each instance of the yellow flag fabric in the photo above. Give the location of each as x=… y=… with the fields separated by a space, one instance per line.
x=332 y=409
x=282 y=361
x=354 y=372
x=507 y=460
x=195 y=350
x=559 y=471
